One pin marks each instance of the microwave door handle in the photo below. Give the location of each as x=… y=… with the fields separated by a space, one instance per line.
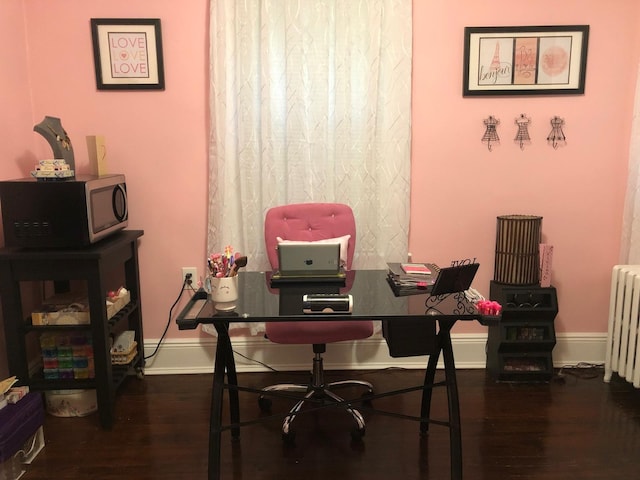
x=120 y=202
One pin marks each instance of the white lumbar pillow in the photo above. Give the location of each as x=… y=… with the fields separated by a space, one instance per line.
x=343 y=241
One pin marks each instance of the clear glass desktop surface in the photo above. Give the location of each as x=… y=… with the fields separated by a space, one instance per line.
x=373 y=299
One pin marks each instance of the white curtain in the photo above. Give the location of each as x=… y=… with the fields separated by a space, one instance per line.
x=310 y=101
x=630 y=251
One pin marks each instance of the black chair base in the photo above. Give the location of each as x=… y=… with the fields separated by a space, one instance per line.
x=314 y=392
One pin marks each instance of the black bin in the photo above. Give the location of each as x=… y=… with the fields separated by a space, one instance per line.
x=409 y=337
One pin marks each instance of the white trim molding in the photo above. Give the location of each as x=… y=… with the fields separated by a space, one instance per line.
x=196 y=355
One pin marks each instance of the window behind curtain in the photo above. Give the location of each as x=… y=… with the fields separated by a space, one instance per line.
x=310 y=101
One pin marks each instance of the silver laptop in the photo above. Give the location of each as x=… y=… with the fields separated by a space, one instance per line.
x=309 y=261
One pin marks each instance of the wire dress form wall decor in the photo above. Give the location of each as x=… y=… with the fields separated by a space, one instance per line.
x=491 y=132
x=556 y=137
x=522 y=136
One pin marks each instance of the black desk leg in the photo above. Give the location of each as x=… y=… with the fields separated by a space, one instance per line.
x=443 y=344
x=455 y=432
x=215 y=421
x=224 y=363
x=429 y=377
x=234 y=401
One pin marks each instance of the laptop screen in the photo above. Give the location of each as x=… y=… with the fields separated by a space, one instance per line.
x=309 y=259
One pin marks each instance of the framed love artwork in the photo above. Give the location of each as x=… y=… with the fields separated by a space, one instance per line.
x=127 y=53
x=547 y=60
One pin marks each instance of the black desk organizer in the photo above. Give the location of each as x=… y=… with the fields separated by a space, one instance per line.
x=409 y=337
x=519 y=348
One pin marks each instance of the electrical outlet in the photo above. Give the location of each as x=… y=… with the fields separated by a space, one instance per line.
x=194 y=277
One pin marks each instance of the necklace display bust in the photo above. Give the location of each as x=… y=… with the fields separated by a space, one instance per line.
x=51 y=129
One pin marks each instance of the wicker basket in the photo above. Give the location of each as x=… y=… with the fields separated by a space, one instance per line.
x=123 y=358
x=518 y=240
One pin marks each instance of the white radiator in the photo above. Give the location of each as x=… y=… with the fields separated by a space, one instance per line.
x=623 y=338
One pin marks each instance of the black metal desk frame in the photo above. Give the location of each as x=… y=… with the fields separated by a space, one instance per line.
x=225 y=366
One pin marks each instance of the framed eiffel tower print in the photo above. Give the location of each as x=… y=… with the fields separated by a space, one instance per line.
x=548 y=60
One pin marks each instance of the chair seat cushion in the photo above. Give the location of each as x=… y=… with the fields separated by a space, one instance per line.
x=318 y=332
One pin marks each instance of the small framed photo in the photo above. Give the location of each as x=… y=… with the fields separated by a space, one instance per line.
x=549 y=60
x=127 y=53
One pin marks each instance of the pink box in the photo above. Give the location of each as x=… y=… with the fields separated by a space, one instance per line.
x=546 y=256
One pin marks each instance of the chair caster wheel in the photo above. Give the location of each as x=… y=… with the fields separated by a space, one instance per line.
x=264 y=404
x=357 y=434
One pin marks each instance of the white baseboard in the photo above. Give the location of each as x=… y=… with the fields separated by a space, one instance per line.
x=197 y=355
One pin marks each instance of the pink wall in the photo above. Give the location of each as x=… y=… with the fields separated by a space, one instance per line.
x=578 y=190
x=15 y=91
x=159 y=139
x=15 y=101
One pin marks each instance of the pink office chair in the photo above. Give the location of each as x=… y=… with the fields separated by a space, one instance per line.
x=311 y=222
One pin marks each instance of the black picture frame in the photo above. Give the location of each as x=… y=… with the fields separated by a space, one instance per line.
x=127 y=53
x=544 y=60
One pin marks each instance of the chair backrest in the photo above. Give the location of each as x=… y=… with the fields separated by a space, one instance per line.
x=308 y=222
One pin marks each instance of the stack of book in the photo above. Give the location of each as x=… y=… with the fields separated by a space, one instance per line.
x=412 y=278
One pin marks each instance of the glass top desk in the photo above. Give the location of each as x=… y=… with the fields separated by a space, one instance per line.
x=373 y=299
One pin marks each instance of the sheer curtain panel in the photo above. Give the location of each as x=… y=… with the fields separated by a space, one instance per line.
x=310 y=101
x=630 y=250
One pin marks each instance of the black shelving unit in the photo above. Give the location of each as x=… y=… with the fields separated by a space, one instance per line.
x=520 y=348
x=113 y=259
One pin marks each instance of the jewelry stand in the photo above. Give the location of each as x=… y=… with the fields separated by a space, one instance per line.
x=51 y=129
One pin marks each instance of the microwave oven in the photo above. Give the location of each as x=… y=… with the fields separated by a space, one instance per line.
x=62 y=213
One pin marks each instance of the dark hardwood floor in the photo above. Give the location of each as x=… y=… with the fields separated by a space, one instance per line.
x=575 y=428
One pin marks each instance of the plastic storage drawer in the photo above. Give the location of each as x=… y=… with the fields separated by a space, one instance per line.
x=18 y=422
